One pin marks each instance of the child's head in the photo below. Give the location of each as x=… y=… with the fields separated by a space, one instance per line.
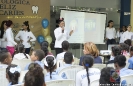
x=124 y=47
x=90 y=48
x=129 y=27
x=35 y=76
x=119 y=61
x=88 y=63
x=128 y=42
x=65 y=45
x=105 y=75
x=45 y=50
x=44 y=43
x=20 y=48
x=5 y=57
x=13 y=73
x=37 y=55
x=50 y=64
x=68 y=58
x=116 y=50
x=131 y=51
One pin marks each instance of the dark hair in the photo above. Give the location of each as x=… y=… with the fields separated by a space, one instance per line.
x=68 y=57
x=105 y=75
x=128 y=42
x=44 y=43
x=88 y=62
x=109 y=22
x=13 y=77
x=9 y=23
x=39 y=53
x=20 y=49
x=116 y=50
x=45 y=50
x=65 y=45
x=3 y=55
x=60 y=20
x=120 y=60
x=26 y=23
x=2 y=28
x=51 y=66
x=35 y=76
x=124 y=47
x=131 y=48
x=128 y=25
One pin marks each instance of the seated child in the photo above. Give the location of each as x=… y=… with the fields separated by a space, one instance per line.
x=130 y=61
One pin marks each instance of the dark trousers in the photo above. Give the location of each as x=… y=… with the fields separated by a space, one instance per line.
x=27 y=50
x=58 y=50
x=111 y=41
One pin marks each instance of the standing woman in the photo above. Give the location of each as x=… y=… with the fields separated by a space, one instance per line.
x=25 y=37
x=124 y=29
x=128 y=34
x=3 y=38
x=61 y=35
x=10 y=37
x=110 y=33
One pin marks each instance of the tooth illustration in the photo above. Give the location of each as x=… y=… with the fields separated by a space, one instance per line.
x=35 y=9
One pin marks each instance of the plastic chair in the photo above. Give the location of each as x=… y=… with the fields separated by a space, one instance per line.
x=18 y=85
x=71 y=71
x=99 y=66
x=22 y=75
x=102 y=58
x=3 y=80
x=95 y=83
x=110 y=65
x=76 y=61
x=21 y=63
x=128 y=78
x=60 y=63
x=61 y=83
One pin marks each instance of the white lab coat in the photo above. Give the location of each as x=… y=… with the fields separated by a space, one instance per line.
x=111 y=33
x=25 y=36
x=126 y=35
x=60 y=37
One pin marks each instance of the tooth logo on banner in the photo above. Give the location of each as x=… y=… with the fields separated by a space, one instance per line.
x=35 y=9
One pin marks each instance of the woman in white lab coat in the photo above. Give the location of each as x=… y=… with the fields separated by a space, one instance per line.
x=127 y=35
x=110 y=33
x=25 y=37
x=120 y=33
x=61 y=35
x=3 y=38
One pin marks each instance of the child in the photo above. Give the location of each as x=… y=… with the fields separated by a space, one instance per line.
x=12 y=74
x=36 y=57
x=5 y=58
x=35 y=76
x=68 y=59
x=89 y=74
x=130 y=61
x=21 y=54
x=50 y=66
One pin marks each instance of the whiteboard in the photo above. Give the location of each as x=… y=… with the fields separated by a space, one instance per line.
x=88 y=27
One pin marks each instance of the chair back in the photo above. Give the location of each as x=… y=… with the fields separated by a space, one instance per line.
x=3 y=80
x=71 y=71
x=21 y=63
x=99 y=66
x=76 y=61
x=22 y=75
x=95 y=83
x=61 y=83
x=60 y=63
x=129 y=80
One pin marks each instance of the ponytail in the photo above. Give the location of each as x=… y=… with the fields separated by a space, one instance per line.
x=87 y=70
x=15 y=77
x=45 y=50
x=26 y=55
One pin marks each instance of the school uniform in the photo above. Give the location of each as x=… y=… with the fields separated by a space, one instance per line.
x=125 y=71
x=60 y=37
x=110 y=35
x=38 y=62
x=21 y=56
x=25 y=36
x=15 y=84
x=81 y=76
x=126 y=35
x=3 y=65
x=130 y=61
x=54 y=75
x=3 y=42
x=10 y=41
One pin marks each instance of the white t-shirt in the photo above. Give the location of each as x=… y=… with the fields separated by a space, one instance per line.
x=81 y=76
x=110 y=33
x=21 y=56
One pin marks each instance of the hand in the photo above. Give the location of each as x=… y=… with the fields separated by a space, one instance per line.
x=71 y=32
x=29 y=40
x=21 y=40
x=106 y=38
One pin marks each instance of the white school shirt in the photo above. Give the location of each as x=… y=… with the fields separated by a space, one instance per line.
x=21 y=56
x=10 y=38
x=127 y=35
x=81 y=76
x=110 y=33
x=25 y=36
x=60 y=37
x=3 y=41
